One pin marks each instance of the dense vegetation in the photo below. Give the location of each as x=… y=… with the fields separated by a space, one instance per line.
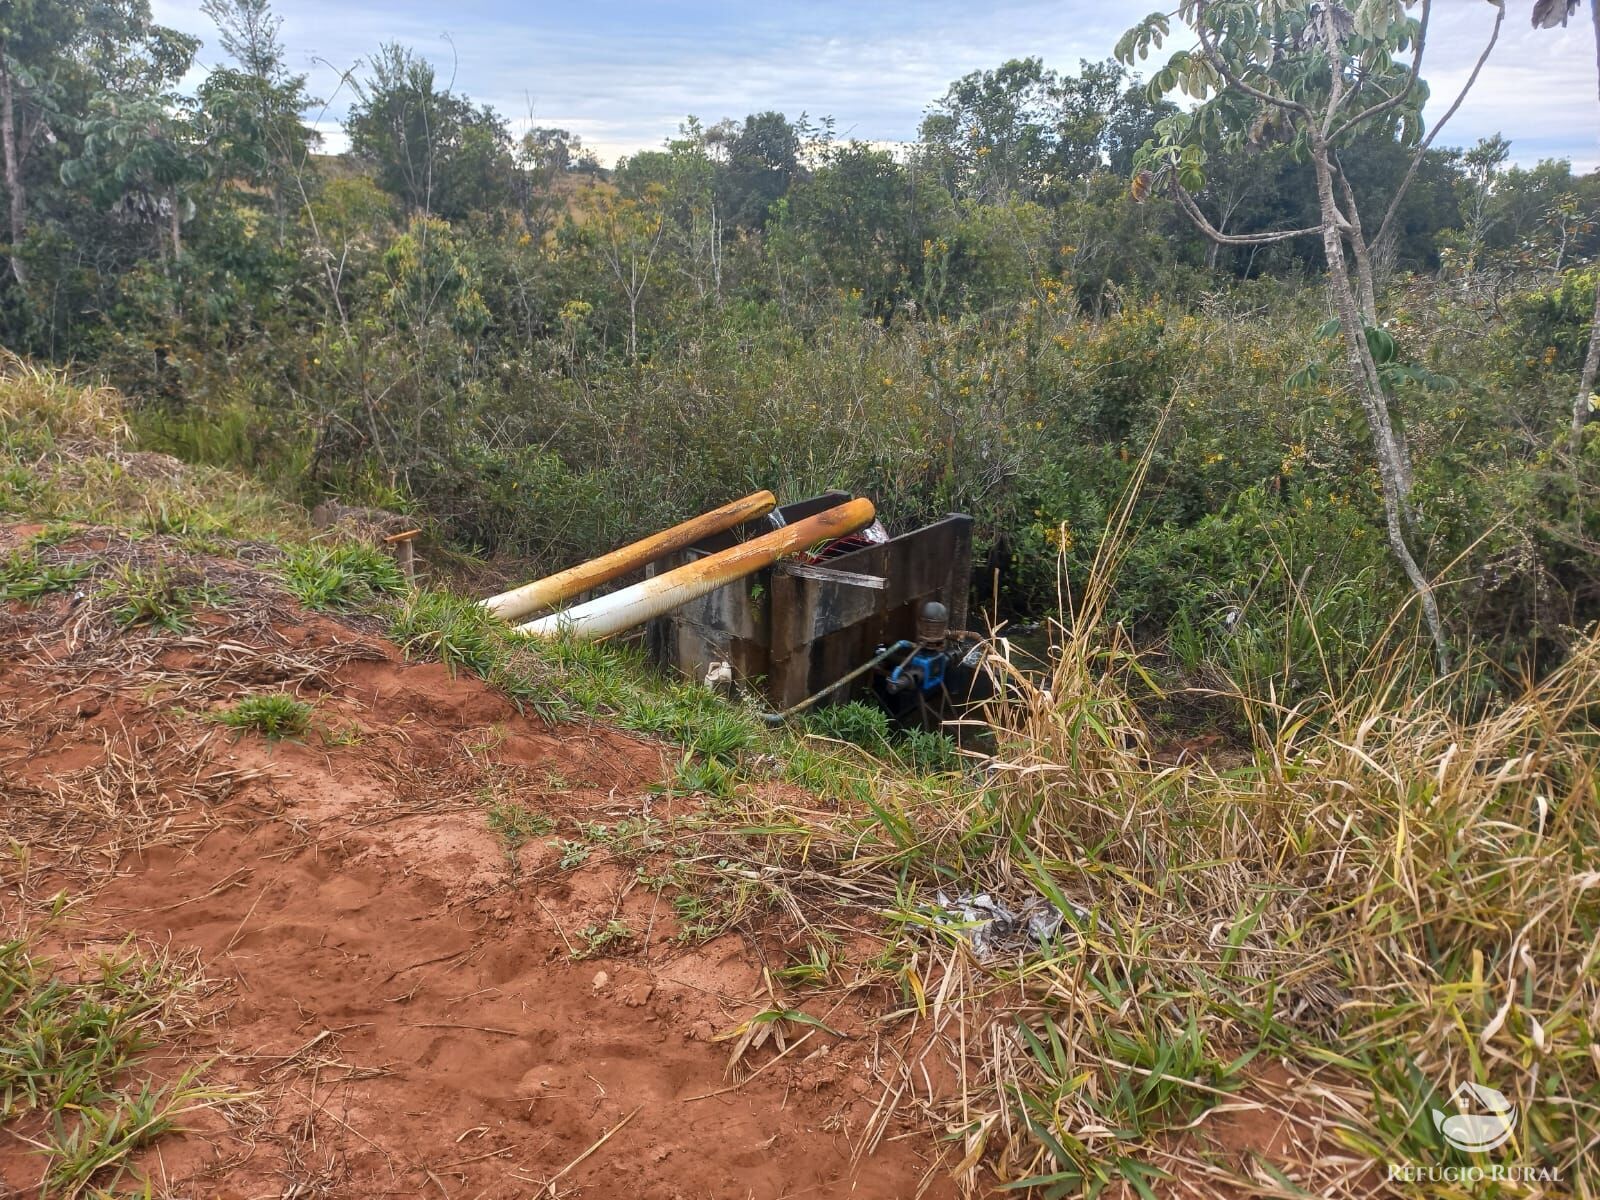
x=1378 y=898
x=543 y=357
x=1371 y=885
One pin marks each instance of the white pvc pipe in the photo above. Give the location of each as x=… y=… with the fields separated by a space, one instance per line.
x=630 y=606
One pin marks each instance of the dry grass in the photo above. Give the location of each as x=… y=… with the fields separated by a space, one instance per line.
x=66 y=453
x=47 y=399
x=1272 y=966
x=1385 y=887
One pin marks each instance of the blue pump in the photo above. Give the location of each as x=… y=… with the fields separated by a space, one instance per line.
x=924 y=671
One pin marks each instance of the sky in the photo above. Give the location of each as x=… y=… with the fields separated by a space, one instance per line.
x=623 y=74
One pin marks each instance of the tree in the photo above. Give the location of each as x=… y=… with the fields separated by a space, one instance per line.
x=544 y=157
x=1480 y=169
x=56 y=58
x=250 y=115
x=432 y=149
x=993 y=132
x=140 y=160
x=761 y=160
x=1102 y=116
x=864 y=217
x=629 y=238
x=1314 y=76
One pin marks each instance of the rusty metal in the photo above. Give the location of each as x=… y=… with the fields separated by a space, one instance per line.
x=933 y=623
x=661 y=594
x=554 y=590
x=796 y=628
x=820 y=630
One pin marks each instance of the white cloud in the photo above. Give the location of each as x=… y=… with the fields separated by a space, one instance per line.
x=623 y=76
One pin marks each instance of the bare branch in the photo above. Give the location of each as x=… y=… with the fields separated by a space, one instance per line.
x=1386 y=225
x=1203 y=224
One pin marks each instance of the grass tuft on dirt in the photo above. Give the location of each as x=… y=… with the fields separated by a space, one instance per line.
x=24 y=577
x=275 y=716
x=75 y=1045
x=340 y=578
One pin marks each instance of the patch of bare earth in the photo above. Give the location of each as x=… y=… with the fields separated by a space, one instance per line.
x=398 y=1000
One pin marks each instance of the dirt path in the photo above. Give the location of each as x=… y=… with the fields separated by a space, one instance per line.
x=414 y=1006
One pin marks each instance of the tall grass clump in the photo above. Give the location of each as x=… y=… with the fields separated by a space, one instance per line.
x=67 y=454
x=1389 y=890
x=40 y=406
x=340 y=577
x=274 y=715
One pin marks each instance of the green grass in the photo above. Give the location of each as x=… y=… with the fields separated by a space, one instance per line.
x=340 y=578
x=160 y=596
x=608 y=938
x=864 y=725
x=24 y=577
x=927 y=752
x=453 y=629
x=516 y=825
x=275 y=716
x=74 y=1043
x=21 y=489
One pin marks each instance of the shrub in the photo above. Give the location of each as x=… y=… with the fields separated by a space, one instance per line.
x=342 y=577
x=929 y=752
x=275 y=716
x=864 y=725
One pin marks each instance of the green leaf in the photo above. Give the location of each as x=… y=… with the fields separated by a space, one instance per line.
x=1306 y=377
x=795 y=1016
x=1382 y=345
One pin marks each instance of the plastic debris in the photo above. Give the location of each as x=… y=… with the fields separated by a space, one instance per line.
x=993 y=927
x=719 y=678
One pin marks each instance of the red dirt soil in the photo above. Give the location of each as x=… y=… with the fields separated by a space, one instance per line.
x=396 y=990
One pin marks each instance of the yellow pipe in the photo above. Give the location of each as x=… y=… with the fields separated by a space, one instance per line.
x=547 y=593
x=630 y=606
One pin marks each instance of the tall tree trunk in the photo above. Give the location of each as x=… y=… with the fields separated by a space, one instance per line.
x=13 y=166
x=1356 y=236
x=1591 y=360
x=1586 y=380
x=1394 y=473
x=1358 y=248
x=633 y=326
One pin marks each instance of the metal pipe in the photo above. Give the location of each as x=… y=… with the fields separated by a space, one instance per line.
x=630 y=606
x=548 y=592
x=778 y=718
